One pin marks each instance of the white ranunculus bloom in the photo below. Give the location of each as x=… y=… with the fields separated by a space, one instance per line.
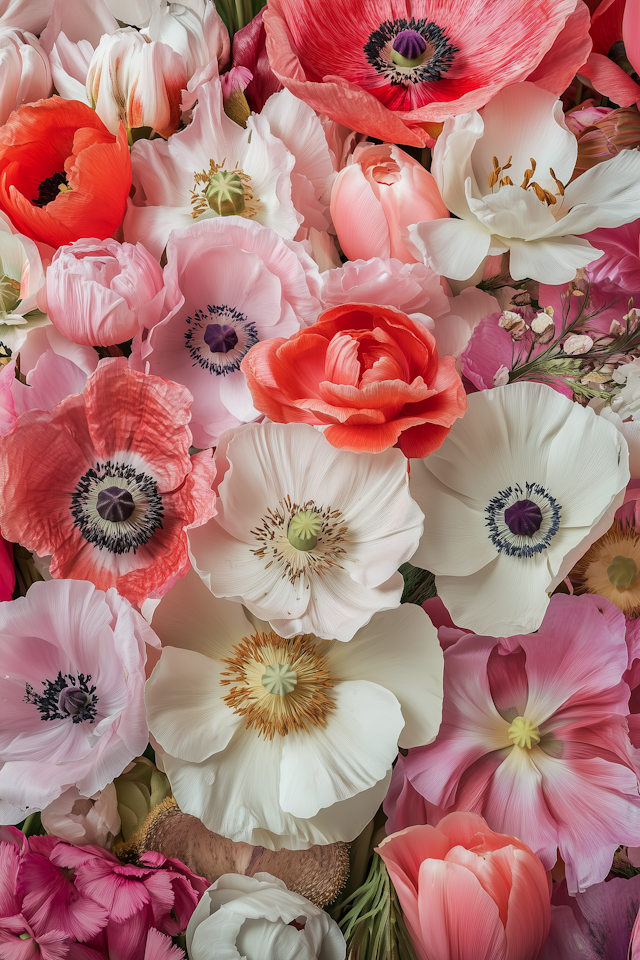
x=503 y=201
x=523 y=485
x=258 y=917
x=286 y=742
x=307 y=536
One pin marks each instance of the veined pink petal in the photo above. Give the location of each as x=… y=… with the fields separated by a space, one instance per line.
x=610 y=79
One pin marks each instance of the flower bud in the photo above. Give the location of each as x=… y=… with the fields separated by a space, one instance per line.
x=602 y=133
x=139 y=790
x=136 y=81
x=577 y=344
x=543 y=327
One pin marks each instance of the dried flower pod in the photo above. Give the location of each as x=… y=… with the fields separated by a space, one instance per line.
x=318 y=873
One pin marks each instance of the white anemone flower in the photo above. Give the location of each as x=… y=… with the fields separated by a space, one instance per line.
x=286 y=742
x=212 y=168
x=523 y=485
x=504 y=172
x=307 y=536
x=257 y=916
x=21 y=276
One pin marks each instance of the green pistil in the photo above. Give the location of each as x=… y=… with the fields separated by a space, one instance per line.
x=622 y=572
x=279 y=679
x=401 y=61
x=225 y=193
x=303 y=530
x=9 y=294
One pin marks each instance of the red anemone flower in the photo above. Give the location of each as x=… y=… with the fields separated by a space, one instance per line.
x=62 y=174
x=104 y=482
x=389 y=67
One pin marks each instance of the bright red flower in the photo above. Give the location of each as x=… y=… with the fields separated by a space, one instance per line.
x=104 y=482
x=392 y=70
x=615 y=31
x=62 y=174
x=371 y=373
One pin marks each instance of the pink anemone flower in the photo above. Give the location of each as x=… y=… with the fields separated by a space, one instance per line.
x=104 y=482
x=391 y=70
x=534 y=738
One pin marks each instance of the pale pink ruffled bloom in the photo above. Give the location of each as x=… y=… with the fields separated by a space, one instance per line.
x=25 y=75
x=171 y=177
x=53 y=367
x=229 y=283
x=534 y=737
x=84 y=820
x=376 y=196
x=73 y=656
x=31 y=15
x=96 y=291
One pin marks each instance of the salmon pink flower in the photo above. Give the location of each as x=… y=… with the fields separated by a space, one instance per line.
x=468 y=892
x=391 y=70
x=104 y=482
x=73 y=670
x=62 y=174
x=371 y=374
x=375 y=198
x=534 y=737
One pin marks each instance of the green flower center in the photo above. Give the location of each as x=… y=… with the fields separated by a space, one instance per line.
x=622 y=572
x=279 y=679
x=225 y=193
x=303 y=530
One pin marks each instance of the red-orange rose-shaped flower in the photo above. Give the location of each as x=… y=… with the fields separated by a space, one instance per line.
x=62 y=174
x=370 y=373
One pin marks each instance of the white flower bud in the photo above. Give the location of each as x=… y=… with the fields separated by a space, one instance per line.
x=501 y=376
x=576 y=344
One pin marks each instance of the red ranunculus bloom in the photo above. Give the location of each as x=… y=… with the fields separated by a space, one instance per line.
x=62 y=174
x=371 y=373
x=104 y=482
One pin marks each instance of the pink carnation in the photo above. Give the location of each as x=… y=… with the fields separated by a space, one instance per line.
x=72 y=672
x=534 y=738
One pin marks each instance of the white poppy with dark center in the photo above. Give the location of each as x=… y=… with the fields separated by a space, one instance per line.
x=523 y=485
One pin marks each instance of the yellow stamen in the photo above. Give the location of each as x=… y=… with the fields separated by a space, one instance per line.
x=524 y=733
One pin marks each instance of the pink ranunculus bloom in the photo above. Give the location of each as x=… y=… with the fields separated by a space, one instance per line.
x=596 y=924
x=376 y=196
x=96 y=291
x=25 y=74
x=74 y=657
x=468 y=892
x=410 y=287
x=105 y=485
x=229 y=284
x=249 y=51
x=615 y=31
x=394 y=71
x=534 y=737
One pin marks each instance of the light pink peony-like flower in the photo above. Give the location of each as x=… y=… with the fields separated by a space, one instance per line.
x=375 y=198
x=72 y=684
x=411 y=287
x=96 y=290
x=84 y=820
x=104 y=482
x=229 y=283
x=534 y=737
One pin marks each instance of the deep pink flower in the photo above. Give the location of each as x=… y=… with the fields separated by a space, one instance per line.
x=72 y=673
x=596 y=924
x=157 y=946
x=391 y=70
x=104 y=482
x=534 y=737
x=249 y=51
x=7 y=570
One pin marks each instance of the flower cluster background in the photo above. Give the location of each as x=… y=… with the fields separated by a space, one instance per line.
x=319 y=480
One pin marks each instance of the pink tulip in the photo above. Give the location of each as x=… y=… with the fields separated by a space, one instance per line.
x=96 y=290
x=375 y=198
x=467 y=892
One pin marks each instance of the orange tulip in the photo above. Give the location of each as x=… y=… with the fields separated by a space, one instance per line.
x=62 y=174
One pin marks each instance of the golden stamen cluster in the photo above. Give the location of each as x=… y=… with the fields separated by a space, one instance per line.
x=598 y=570
x=201 y=181
x=276 y=548
x=545 y=196
x=306 y=705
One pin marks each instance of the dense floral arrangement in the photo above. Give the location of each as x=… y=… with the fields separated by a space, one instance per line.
x=319 y=480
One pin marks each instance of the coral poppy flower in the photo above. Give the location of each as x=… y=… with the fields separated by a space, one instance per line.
x=62 y=174
x=104 y=482
x=370 y=373
x=393 y=69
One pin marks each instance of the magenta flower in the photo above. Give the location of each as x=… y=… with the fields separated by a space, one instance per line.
x=72 y=672
x=534 y=738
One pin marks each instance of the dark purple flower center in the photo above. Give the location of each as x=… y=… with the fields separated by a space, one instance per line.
x=73 y=701
x=524 y=518
x=220 y=337
x=409 y=44
x=115 y=504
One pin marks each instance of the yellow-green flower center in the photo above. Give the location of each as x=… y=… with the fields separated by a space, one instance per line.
x=303 y=530
x=279 y=679
x=622 y=572
x=523 y=733
x=9 y=294
x=225 y=193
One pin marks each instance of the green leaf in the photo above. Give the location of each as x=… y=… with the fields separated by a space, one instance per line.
x=419 y=585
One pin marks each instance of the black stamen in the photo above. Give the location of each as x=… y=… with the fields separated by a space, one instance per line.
x=65 y=698
x=440 y=51
x=48 y=189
